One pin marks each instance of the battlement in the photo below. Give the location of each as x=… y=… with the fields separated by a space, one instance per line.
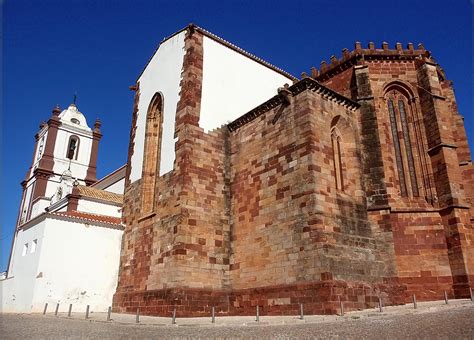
x=358 y=54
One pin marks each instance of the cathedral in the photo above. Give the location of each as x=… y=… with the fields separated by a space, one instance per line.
x=246 y=186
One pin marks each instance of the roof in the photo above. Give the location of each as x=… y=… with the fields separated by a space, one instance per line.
x=111 y=178
x=302 y=85
x=225 y=43
x=78 y=217
x=98 y=194
x=88 y=217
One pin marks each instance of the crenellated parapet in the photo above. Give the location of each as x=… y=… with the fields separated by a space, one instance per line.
x=359 y=54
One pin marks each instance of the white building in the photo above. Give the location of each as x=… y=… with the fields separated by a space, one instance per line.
x=66 y=247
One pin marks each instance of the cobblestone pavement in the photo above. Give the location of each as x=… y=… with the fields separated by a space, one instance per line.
x=428 y=322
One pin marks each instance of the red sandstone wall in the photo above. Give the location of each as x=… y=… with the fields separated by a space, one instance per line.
x=290 y=224
x=432 y=233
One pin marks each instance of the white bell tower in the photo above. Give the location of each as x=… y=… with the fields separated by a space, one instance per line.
x=65 y=152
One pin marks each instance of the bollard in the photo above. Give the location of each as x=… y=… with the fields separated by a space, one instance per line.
x=414 y=301
x=56 y=310
x=173 y=320
x=137 y=317
x=445 y=297
x=301 y=312
x=69 y=311
x=341 y=306
x=213 y=315
x=380 y=305
x=257 y=319
x=45 y=308
x=109 y=312
x=472 y=296
x=87 y=312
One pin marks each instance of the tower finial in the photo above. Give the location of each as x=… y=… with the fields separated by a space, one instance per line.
x=56 y=111
x=75 y=98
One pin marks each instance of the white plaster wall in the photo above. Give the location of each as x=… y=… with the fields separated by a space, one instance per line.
x=51 y=187
x=118 y=187
x=93 y=207
x=73 y=263
x=39 y=207
x=61 y=162
x=42 y=134
x=25 y=205
x=233 y=85
x=162 y=74
x=18 y=289
x=79 y=264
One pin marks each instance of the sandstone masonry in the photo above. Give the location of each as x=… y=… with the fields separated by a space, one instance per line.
x=352 y=183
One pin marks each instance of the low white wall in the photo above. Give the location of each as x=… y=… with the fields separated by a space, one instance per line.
x=93 y=207
x=18 y=288
x=73 y=263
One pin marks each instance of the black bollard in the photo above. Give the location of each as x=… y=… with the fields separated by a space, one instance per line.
x=257 y=318
x=109 y=312
x=87 y=312
x=301 y=312
x=445 y=297
x=45 y=308
x=56 y=310
x=380 y=305
x=414 y=301
x=213 y=315
x=137 y=316
x=70 y=310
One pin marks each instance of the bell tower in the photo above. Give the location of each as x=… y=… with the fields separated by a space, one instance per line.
x=66 y=148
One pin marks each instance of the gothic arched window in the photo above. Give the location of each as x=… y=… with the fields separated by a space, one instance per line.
x=398 y=105
x=73 y=148
x=337 y=155
x=151 y=157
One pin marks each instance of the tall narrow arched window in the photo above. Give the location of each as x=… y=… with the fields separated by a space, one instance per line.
x=73 y=148
x=401 y=126
x=337 y=159
x=151 y=156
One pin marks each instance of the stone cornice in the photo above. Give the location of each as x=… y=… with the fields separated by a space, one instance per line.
x=303 y=85
x=435 y=149
x=91 y=219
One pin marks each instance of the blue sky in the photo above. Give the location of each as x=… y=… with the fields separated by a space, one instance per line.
x=52 y=49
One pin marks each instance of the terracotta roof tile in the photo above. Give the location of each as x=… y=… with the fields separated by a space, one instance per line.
x=116 y=221
x=99 y=194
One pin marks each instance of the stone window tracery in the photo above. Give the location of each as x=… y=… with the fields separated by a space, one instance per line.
x=407 y=140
